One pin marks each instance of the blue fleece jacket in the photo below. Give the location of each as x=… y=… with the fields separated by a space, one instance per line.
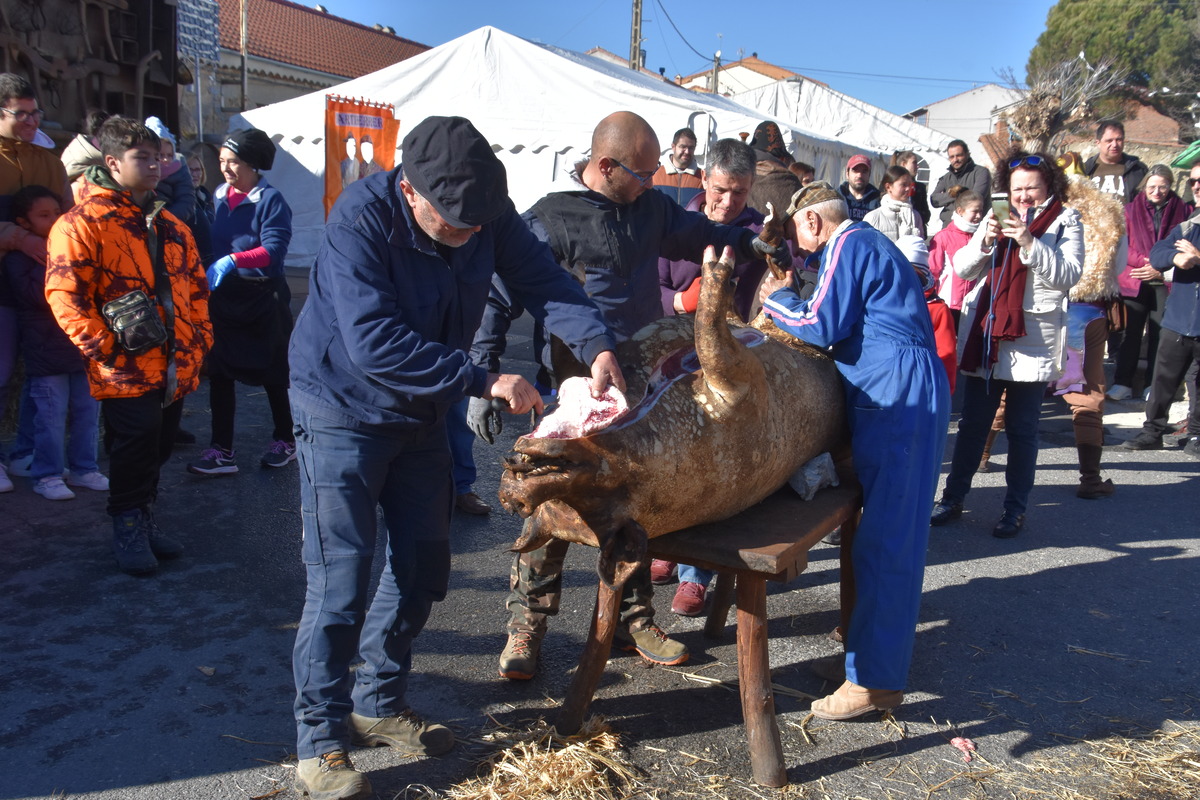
x=382 y=339
x=263 y=219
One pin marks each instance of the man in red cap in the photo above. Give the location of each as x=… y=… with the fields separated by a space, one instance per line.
x=859 y=194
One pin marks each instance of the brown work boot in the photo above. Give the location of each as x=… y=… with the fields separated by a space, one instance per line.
x=852 y=700
x=405 y=732
x=518 y=661
x=653 y=645
x=331 y=776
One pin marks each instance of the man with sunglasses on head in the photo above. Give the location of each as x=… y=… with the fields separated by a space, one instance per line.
x=609 y=233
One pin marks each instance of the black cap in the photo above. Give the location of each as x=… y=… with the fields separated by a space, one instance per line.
x=452 y=166
x=252 y=146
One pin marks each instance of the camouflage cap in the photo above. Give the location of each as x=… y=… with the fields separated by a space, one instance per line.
x=810 y=195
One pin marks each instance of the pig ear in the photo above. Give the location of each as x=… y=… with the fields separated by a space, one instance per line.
x=621 y=553
x=533 y=535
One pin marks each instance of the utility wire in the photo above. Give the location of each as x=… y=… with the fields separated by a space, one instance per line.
x=708 y=59
x=877 y=75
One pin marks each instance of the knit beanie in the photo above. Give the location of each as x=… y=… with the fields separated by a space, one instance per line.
x=252 y=146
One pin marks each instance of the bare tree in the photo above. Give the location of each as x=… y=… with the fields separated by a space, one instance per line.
x=1060 y=97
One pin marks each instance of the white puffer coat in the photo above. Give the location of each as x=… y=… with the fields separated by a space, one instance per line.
x=1055 y=262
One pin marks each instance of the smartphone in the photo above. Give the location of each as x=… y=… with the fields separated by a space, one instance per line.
x=1000 y=207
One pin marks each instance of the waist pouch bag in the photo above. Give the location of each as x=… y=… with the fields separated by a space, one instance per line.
x=134 y=318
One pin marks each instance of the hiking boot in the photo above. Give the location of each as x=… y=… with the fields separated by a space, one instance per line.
x=161 y=545
x=130 y=546
x=661 y=571
x=405 y=732
x=518 y=661
x=471 y=503
x=279 y=454
x=214 y=461
x=945 y=511
x=1009 y=526
x=89 y=480
x=689 y=599
x=1095 y=489
x=331 y=776
x=53 y=488
x=1145 y=441
x=653 y=645
x=1192 y=447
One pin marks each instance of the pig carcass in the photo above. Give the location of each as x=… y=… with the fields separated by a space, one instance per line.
x=720 y=415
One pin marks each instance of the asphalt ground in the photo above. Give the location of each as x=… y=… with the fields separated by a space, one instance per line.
x=179 y=685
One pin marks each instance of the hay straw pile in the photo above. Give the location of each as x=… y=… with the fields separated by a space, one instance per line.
x=540 y=763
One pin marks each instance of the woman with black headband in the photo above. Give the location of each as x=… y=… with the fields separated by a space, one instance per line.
x=250 y=301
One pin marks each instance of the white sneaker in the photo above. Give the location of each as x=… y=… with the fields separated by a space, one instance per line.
x=1119 y=392
x=89 y=480
x=20 y=466
x=53 y=488
x=5 y=483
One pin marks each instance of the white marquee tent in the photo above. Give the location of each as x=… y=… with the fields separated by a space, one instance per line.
x=839 y=116
x=535 y=103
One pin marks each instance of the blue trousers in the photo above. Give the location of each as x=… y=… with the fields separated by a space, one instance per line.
x=345 y=474
x=462 y=439
x=59 y=401
x=1022 y=408
x=898 y=432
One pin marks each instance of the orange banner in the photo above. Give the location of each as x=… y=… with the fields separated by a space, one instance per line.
x=360 y=140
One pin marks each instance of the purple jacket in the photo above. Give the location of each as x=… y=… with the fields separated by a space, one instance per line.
x=677 y=276
x=1139 y=224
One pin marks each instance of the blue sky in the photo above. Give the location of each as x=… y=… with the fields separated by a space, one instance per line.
x=906 y=54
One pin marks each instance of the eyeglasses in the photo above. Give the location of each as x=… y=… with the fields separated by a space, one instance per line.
x=644 y=180
x=1032 y=161
x=37 y=115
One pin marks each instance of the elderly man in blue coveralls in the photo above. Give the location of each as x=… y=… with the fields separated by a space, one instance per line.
x=378 y=357
x=869 y=310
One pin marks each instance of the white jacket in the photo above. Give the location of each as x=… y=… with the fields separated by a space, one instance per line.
x=894 y=219
x=1055 y=262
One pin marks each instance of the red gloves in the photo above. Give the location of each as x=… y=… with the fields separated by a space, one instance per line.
x=690 y=297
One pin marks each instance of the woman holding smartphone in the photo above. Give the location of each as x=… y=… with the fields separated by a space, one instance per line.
x=1013 y=329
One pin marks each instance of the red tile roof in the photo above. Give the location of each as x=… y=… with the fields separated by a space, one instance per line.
x=304 y=37
x=755 y=64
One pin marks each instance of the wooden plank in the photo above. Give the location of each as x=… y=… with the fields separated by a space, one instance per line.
x=771 y=538
x=592 y=661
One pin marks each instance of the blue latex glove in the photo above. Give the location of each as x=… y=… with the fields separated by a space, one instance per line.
x=219 y=269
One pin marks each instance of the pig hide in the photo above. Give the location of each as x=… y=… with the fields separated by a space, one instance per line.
x=720 y=415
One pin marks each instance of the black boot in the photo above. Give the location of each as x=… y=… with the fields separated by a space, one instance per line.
x=130 y=546
x=161 y=545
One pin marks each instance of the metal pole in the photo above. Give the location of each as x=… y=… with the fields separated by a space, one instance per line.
x=199 y=104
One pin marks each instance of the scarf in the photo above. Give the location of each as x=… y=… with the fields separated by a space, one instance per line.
x=961 y=223
x=1143 y=233
x=895 y=206
x=1000 y=316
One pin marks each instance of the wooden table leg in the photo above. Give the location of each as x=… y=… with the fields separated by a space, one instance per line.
x=849 y=528
x=754 y=675
x=718 y=611
x=592 y=662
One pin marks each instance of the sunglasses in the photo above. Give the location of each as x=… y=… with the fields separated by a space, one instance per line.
x=1031 y=161
x=644 y=180
x=1193 y=181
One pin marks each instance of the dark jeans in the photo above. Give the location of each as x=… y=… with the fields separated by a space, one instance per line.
x=222 y=400
x=1142 y=312
x=462 y=439
x=141 y=434
x=1176 y=355
x=1022 y=408
x=346 y=475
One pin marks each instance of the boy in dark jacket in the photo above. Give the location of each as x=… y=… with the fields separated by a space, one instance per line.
x=58 y=385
